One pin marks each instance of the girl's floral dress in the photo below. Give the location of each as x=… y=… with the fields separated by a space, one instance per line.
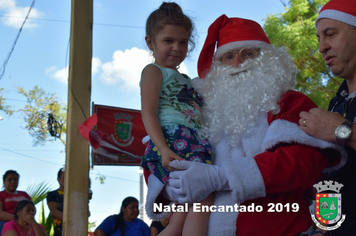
x=180 y=119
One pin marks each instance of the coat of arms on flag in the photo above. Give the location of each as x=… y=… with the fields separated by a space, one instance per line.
x=115 y=135
x=328 y=214
x=123 y=129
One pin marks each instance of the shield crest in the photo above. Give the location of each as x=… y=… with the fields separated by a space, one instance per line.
x=123 y=130
x=328 y=208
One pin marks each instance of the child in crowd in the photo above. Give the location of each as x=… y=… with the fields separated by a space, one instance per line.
x=170 y=112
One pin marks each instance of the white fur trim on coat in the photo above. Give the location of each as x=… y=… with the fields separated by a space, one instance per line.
x=282 y=131
x=146 y=139
x=223 y=223
x=155 y=187
x=243 y=174
x=245 y=178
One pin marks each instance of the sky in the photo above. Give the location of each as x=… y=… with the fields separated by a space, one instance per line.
x=41 y=56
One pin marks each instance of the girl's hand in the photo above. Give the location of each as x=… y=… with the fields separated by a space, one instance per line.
x=167 y=156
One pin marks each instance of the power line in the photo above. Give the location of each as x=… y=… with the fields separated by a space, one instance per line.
x=68 y=21
x=14 y=100
x=2 y=69
x=31 y=18
x=31 y=157
x=24 y=155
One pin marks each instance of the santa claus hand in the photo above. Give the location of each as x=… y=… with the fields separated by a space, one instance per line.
x=192 y=182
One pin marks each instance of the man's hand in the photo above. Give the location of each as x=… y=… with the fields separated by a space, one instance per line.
x=320 y=124
x=193 y=182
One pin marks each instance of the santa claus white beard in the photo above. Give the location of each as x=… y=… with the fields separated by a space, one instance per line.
x=235 y=96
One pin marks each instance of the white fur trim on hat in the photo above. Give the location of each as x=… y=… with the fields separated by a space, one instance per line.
x=337 y=15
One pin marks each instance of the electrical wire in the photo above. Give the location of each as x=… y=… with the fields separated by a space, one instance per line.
x=107 y=176
x=68 y=21
x=27 y=156
x=2 y=69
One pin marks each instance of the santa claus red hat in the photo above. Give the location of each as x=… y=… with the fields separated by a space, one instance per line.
x=340 y=10
x=227 y=34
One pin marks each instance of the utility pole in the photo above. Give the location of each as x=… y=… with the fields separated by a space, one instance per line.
x=76 y=186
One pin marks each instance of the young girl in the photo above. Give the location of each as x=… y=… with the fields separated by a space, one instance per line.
x=170 y=110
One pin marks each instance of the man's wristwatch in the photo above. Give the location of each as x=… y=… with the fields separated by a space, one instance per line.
x=343 y=132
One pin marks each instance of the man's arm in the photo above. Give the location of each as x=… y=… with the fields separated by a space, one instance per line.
x=55 y=213
x=321 y=124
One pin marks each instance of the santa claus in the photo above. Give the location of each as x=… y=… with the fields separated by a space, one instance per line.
x=264 y=163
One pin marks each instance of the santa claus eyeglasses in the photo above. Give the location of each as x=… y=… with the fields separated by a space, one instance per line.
x=244 y=54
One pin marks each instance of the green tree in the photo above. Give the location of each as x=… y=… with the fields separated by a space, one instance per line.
x=40 y=105
x=3 y=106
x=295 y=29
x=42 y=113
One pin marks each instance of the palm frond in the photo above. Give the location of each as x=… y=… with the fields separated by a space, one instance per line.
x=38 y=192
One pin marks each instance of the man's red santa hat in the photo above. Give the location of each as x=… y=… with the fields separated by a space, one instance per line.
x=227 y=34
x=340 y=10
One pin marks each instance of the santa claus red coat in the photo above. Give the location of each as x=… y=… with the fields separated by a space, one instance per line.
x=261 y=172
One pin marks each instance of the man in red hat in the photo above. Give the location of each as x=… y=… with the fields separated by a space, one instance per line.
x=264 y=164
x=336 y=31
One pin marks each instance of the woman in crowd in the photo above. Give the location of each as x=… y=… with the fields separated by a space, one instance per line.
x=24 y=223
x=125 y=223
x=10 y=196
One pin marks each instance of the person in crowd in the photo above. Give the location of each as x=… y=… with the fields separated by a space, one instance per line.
x=55 y=203
x=170 y=113
x=264 y=164
x=24 y=223
x=125 y=223
x=158 y=226
x=10 y=196
x=336 y=32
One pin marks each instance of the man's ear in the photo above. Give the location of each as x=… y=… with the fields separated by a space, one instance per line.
x=149 y=42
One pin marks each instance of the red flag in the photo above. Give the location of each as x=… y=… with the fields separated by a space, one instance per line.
x=115 y=135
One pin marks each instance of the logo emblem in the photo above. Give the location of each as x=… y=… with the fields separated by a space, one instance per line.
x=328 y=205
x=123 y=130
x=122 y=135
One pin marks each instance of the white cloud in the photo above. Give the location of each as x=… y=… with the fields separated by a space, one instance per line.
x=124 y=69
x=16 y=15
x=96 y=65
x=60 y=75
x=4 y=4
